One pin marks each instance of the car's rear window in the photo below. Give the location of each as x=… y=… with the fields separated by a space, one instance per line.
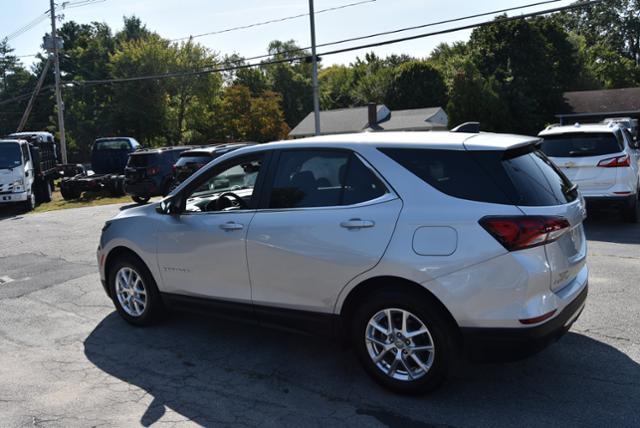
x=143 y=160
x=581 y=144
x=118 y=144
x=194 y=158
x=525 y=177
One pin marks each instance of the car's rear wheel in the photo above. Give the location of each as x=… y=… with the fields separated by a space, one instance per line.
x=631 y=213
x=404 y=341
x=140 y=199
x=134 y=292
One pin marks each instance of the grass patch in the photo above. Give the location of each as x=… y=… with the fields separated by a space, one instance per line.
x=88 y=199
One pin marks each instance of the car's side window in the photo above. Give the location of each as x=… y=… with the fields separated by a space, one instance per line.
x=322 y=178
x=235 y=182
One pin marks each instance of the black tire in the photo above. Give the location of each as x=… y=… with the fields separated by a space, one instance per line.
x=30 y=203
x=69 y=193
x=140 y=199
x=441 y=332
x=154 y=308
x=46 y=191
x=116 y=187
x=631 y=213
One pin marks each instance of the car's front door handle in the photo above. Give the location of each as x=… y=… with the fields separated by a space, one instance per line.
x=231 y=225
x=356 y=223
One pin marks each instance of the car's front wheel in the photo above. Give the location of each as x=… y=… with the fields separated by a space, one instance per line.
x=134 y=292
x=404 y=341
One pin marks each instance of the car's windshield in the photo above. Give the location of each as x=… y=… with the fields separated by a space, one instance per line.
x=581 y=145
x=10 y=155
x=116 y=144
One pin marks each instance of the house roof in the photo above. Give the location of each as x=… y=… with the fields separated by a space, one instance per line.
x=350 y=120
x=610 y=101
x=411 y=120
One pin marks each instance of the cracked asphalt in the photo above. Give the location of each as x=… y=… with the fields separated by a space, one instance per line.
x=67 y=360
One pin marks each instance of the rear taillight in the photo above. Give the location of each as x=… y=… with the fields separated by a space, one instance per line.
x=520 y=232
x=618 y=161
x=153 y=170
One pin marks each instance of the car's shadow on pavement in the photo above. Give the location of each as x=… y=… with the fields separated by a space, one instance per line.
x=607 y=226
x=221 y=372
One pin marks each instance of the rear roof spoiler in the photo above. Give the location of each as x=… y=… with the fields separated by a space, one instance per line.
x=468 y=127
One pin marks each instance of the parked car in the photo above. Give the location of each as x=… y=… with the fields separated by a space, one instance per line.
x=412 y=246
x=192 y=160
x=628 y=122
x=108 y=159
x=149 y=172
x=603 y=160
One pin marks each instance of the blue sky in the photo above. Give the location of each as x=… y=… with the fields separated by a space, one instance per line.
x=180 y=18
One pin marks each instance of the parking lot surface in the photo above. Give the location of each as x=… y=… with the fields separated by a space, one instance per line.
x=66 y=358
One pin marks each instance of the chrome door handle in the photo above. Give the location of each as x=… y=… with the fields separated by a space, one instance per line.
x=231 y=225
x=356 y=223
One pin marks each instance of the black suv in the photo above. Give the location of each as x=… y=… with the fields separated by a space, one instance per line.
x=149 y=172
x=192 y=160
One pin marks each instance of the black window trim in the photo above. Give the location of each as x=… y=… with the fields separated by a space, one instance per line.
x=265 y=197
x=257 y=189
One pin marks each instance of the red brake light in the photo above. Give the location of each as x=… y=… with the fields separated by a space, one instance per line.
x=619 y=161
x=518 y=233
x=153 y=170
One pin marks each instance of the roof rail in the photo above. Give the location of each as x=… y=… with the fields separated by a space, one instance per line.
x=470 y=127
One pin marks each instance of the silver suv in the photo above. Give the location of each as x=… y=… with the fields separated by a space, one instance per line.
x=413 y=247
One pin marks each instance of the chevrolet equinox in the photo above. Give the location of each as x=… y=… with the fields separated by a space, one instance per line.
x=416 y=248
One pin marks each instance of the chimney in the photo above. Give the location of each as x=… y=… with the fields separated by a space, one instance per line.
x=373 y=114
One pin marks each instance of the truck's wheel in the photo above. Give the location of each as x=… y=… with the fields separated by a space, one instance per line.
x=69 y=193
x=30 y=204
x=46 y=191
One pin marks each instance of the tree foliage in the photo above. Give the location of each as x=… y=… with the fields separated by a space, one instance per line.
x=510 y=76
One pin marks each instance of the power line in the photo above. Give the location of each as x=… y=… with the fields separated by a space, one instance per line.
x=28 y=26
x=80 y=3
x=273 y=21
x=404 y=29
x=338 y=51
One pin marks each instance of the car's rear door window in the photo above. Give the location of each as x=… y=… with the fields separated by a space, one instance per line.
x=523 y=177
x=322 y=178
x=580 y=144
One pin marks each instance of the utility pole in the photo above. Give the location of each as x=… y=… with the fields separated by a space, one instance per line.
x=314 y=61
x=56 y=65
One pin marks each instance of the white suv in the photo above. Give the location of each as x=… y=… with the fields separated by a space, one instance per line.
x=414 y=247
x=602 y=159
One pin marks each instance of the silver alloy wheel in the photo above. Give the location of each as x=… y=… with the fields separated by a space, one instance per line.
x=399 y=344
x=131 y=292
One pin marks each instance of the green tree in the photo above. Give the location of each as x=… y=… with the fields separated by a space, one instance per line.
x=140 y=108
x=336 y=87
x=530 y=63
x=416 y=84
x=472 y=98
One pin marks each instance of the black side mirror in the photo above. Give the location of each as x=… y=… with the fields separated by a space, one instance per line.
x=169 y=206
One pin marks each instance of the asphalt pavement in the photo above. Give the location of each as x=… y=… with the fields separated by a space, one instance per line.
x=66 y=358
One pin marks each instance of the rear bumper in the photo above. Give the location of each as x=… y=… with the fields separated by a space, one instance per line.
x=142 y=188
x=506 y=344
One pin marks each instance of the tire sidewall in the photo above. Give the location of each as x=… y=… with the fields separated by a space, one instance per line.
x=430 y=315
x=153 y=307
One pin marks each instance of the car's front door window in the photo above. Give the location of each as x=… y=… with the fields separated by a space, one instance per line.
x=228 y=189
